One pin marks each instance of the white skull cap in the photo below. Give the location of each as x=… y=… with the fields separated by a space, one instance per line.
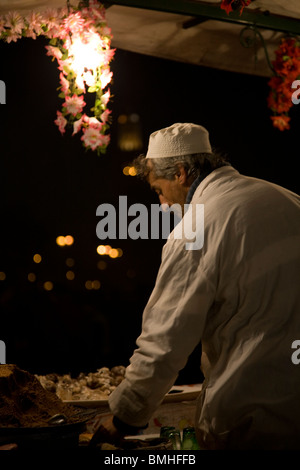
x=178 y=139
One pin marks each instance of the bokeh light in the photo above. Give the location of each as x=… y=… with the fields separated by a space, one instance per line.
x=31 y=277
x=70 y=275
x=48 y=285
x=37 y=258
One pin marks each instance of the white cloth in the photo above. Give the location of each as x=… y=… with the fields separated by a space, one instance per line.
x=240 y=296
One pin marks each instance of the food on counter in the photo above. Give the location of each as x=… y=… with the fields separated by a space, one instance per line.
x=24 y=402
x=92 y=386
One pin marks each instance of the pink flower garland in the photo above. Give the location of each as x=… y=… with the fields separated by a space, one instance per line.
x=80 y=43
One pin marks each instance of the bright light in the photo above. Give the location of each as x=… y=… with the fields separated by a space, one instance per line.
x=113 y=253
x=69 y=240
x=129 y=171
x=132 y=171
x=37 y=258
x=101 y=250
x=87 y=56
x=60 y=241
x=108 y=250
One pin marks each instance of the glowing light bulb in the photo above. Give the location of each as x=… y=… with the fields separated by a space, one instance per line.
x=86 y=56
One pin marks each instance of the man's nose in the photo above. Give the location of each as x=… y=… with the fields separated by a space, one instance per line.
x=162 y=199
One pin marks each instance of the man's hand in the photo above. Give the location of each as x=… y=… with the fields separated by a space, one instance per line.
x=107 y=432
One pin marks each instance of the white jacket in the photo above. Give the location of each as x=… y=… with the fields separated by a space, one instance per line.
x=239 y=295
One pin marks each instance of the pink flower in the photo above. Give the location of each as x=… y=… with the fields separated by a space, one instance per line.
x=93 y=138
x=104 y=116
x=30 y=33
x=94 y=12
x=93 y=122
x=77 y=125
x=12 y=36
x=105 y=56
x=108 y=55
x=74 y=104
x=54 y=51
x=51 y=18
x=105 y=97
x=64 y=12
x=34 y=21
x=105 y=78
x=74 y=23
x=64 y=65
x=64 y=83
x=106 y=31
x=53 y=32
x=15 y=22
x=61 y=122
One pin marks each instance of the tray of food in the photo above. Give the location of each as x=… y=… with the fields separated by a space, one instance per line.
x=87 y=389
x=92 y=390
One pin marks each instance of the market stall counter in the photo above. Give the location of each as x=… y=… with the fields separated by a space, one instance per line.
x=60 y=412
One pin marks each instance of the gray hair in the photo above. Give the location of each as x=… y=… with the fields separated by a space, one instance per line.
x=166 y=168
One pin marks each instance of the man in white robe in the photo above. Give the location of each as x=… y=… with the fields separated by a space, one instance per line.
x=238 y=294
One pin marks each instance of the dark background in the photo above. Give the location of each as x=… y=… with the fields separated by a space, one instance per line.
x=51 y=186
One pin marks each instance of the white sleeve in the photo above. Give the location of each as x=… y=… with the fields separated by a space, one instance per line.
x=173 y=323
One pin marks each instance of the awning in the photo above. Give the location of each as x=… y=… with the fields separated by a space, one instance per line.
x=194 y=32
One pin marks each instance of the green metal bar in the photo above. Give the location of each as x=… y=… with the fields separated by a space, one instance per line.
x=264 y=20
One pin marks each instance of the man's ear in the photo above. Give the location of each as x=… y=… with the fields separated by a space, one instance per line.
x=181 y=175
